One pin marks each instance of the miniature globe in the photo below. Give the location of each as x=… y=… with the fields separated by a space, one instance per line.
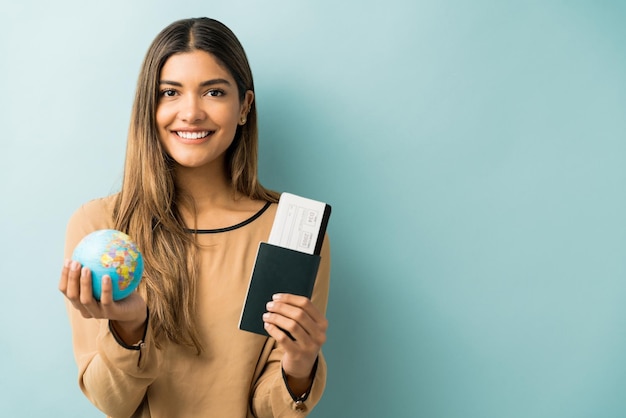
x=111 y=252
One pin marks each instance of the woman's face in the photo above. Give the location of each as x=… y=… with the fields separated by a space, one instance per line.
x=198 y=109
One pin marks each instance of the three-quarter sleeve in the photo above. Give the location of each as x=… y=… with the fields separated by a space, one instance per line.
x=112 y=376
x=271 y=398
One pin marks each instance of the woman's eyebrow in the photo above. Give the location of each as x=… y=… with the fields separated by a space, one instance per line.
x=206 y=83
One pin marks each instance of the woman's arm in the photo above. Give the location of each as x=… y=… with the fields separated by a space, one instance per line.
x=112 y=343
x=294 y=376
x=114 y=377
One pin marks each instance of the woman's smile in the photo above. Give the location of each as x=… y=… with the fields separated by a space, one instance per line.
x=193 y=137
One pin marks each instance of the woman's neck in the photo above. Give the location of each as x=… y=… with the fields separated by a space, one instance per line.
x=204 y=185
x=208 y=200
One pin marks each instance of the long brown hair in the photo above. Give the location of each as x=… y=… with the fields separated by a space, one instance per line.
x=147 y=206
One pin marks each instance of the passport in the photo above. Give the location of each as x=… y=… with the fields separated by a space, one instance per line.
x=276 y=270
x=289 y=261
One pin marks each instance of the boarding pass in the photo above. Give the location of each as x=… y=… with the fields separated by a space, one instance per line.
x=300 y=224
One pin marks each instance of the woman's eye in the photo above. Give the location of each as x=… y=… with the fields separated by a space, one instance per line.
x=215 y=93
x=168 y=93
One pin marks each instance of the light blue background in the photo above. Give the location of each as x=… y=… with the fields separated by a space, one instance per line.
x=474 y=154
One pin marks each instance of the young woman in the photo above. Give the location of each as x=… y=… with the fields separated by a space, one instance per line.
x=191 y=200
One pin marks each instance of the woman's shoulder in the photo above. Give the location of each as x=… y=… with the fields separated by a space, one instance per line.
x=96 y=213
x=91 y=216
x=102 y=206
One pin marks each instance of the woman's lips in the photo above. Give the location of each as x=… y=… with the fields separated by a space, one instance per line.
x=193 y=134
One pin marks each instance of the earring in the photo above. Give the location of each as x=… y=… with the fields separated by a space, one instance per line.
x=243 y=120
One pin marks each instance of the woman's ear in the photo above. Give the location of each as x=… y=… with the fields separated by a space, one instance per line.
x=245 y=106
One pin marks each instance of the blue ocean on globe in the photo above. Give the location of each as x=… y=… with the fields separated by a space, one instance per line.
x=112 y=252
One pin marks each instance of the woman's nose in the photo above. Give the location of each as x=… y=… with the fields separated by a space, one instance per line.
x=192 y=110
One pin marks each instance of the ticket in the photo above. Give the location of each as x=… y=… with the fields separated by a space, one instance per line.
x=300 y=224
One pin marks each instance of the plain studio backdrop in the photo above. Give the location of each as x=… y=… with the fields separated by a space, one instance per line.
x=474 y=153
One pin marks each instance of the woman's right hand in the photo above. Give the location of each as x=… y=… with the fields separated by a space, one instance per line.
x=128 y=315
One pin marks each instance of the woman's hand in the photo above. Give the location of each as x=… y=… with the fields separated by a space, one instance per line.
x=307 y=325
x=128 y=315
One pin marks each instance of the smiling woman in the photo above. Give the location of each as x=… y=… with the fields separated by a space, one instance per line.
x=191 y=200
x=199 y=110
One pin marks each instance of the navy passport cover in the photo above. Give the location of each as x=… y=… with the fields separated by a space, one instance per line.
x=277 y=270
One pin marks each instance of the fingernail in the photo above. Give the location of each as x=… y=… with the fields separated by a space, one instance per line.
x=75 y=265
x=277 y=296
x=67 y=262
x=266 y=315
x=269 y=305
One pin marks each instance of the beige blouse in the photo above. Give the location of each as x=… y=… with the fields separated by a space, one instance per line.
x=237 y=375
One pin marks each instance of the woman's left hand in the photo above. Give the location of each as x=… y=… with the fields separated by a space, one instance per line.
x=305 y=323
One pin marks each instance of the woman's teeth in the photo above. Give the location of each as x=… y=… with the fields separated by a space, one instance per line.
x=192 y=135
